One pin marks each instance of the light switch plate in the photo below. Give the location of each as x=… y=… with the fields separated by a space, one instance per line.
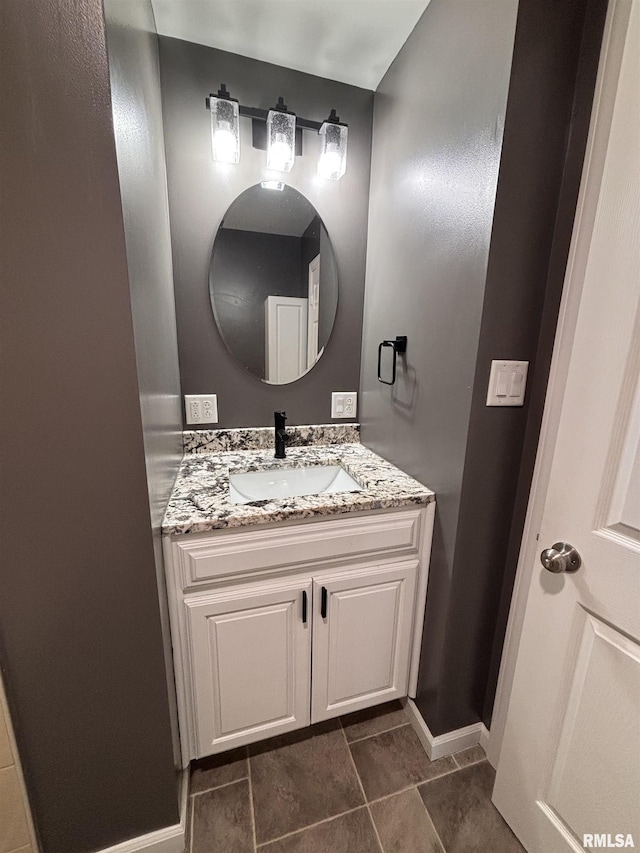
x=201 y=408
x=344 y=404
x=507 y=383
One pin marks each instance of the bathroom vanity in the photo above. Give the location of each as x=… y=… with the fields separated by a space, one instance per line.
x=291 y=610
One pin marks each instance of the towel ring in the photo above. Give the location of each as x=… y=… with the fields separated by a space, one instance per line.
x=398 y=346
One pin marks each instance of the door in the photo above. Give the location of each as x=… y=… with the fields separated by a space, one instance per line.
x=251 y=660
x=362 y=630
x=285 y=338
x=569 y=770
x=313 y=312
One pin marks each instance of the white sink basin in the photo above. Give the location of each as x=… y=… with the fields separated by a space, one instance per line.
x=289 y=483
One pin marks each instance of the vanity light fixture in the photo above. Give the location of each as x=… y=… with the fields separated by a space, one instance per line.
x=333 y=155
x=279 y=132
x=225 y=127
x=272 y=185
x=281 y=138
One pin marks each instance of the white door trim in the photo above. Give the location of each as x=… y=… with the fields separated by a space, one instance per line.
x=169 y=839
x=313 y=312
x=285 y=366
x=604 y=101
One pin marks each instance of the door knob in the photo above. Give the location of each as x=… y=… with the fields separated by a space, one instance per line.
x=561 y=557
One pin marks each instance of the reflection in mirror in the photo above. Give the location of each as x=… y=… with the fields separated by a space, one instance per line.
x=273 y=282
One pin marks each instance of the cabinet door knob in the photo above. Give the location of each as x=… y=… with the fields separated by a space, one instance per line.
x=304 y=607
x=323 y=603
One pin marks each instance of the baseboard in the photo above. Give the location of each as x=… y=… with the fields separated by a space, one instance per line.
x=169 y=839
x=484 y=740
x=448 y=743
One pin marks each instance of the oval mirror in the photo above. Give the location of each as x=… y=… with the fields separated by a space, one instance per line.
x=273 y=282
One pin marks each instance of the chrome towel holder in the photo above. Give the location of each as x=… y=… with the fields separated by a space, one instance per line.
x=399 y=346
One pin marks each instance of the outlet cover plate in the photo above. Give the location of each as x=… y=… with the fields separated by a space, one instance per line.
x=344 y=404
x=507 y=383
x=201 y=408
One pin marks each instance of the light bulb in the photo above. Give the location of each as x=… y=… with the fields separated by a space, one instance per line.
x=281 y=130
x=329 y=164
x=224 y=144
x=279 y=153
x=332 y=163
x=225 y=130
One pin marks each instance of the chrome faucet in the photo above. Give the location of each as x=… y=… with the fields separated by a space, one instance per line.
x=280 y=434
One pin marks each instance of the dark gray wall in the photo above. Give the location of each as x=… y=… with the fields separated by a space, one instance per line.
x=538 y=184
x=246 y=268
x=310 y=249
x=132 y=44
x=80 y=633
x=437 y=138
x=474 y=559
x=552 y=78
x=200 y=192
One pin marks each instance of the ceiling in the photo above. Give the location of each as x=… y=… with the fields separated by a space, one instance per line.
x=353 y=41
x=269 y=211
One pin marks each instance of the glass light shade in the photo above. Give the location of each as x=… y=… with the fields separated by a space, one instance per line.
x=333 y=151
x=281 y=141
x=225 y=130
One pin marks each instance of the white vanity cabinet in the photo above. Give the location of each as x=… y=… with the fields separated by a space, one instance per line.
x=277 y=627
x=250 y=663
x=362 y=643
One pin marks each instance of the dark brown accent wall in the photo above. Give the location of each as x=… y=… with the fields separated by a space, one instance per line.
x=80 y=635
x=200 y=192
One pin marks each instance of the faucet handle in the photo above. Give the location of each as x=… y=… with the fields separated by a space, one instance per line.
x=280 y=435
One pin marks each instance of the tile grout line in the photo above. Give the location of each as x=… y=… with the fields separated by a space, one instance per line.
x=433 y=826
x=426 y=810
x=470 y=763
x=217 y=787
x=415 y=788
x=375 y=734
x=456 y=767
x=251 y=807
x=310 y=826
x=394 y=793
x=353 y=763
x=415 y=785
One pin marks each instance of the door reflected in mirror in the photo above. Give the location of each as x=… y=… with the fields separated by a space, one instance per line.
x=273 y=282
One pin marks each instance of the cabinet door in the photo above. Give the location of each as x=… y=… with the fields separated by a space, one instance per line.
x=251 y=663
x=362 y=643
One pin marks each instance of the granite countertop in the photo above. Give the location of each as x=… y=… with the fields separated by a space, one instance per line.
x=200 y=497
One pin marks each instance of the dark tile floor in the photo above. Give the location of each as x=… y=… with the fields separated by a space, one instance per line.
x=361 y=784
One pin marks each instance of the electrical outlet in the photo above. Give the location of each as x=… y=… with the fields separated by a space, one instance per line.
x=344 y=404
x=201 y=408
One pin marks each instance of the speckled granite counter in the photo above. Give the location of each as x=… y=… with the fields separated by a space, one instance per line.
x=200 y=497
